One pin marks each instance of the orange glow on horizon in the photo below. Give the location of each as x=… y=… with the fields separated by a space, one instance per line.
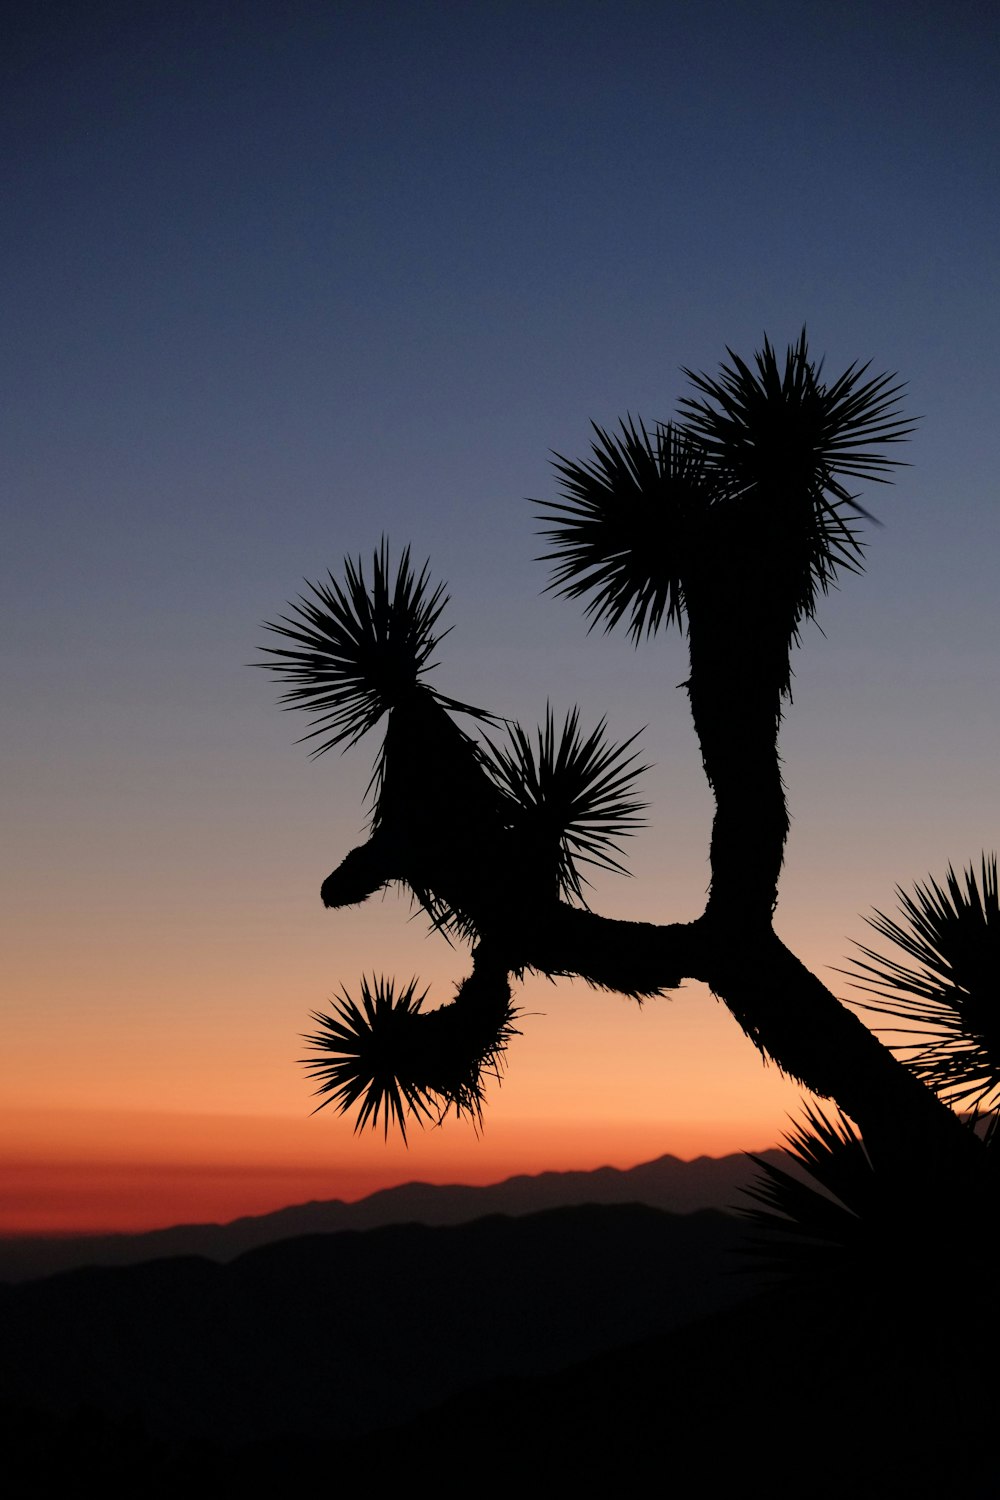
x=131 y=1171
x=192 y=1121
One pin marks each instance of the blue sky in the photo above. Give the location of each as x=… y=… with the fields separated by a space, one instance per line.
x=281 y=279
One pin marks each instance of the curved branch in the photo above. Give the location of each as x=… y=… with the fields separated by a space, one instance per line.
x=785 y=1009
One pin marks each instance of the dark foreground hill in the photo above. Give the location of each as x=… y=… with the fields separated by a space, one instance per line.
x=322 y=1339
x=668 y=1183
x=788 y=1393
x=791 y=1393
x=342 y=1333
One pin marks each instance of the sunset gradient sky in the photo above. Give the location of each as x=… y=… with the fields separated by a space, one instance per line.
x=279 y=279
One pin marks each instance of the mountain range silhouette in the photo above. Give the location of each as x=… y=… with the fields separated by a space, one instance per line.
x=613 y=1342
x=667 y=1183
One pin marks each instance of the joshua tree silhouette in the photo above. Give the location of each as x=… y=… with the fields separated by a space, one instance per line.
x=738 y=512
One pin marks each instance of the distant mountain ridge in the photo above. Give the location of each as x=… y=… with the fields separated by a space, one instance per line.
x=668 y=1183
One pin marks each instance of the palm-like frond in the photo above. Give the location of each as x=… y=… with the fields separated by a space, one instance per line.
x=359 y=651
x=784 y=426
x=746 y=492
x=573 y=794
x=366 y=1040
x=949 y=991
x=832 y=1218
x=833 y=1156
x=842 y=1217
x=623 y=531
x=395 y=1060
x=782 y=441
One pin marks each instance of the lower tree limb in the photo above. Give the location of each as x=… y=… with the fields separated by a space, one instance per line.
x=785 y=1009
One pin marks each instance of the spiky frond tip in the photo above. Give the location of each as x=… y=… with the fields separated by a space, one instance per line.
x=946 y=987
x=782 y=441
x=573 y=796
x=622 y=531
x=357 y=650
x=397 y=1062
x=782 y=425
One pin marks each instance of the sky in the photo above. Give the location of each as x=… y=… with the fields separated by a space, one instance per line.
x=281 y=280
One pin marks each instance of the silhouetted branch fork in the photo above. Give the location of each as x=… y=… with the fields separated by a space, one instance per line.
x=639 y=959
x=787 y=1012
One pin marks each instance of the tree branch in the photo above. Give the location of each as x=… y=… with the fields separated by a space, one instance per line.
x=785 y=1009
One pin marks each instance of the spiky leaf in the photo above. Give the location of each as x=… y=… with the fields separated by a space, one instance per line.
x=573 y=794
x=739 y=510
x=784 y=425
x=946 y=988
x=627 y=524
x=781 y=441
x=833 y=1157
x=359 y=651
x=395 y=1060
x=840 y=1217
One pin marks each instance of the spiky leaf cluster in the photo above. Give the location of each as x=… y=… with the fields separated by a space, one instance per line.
x=783 y=427
x=781 y=440
x=748 y=487
x=572 y=796
x=396 y=1061
x=946 y=988
x=833 y=1157
x=627 y=524
x=359 y=650
x=839 y=1216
